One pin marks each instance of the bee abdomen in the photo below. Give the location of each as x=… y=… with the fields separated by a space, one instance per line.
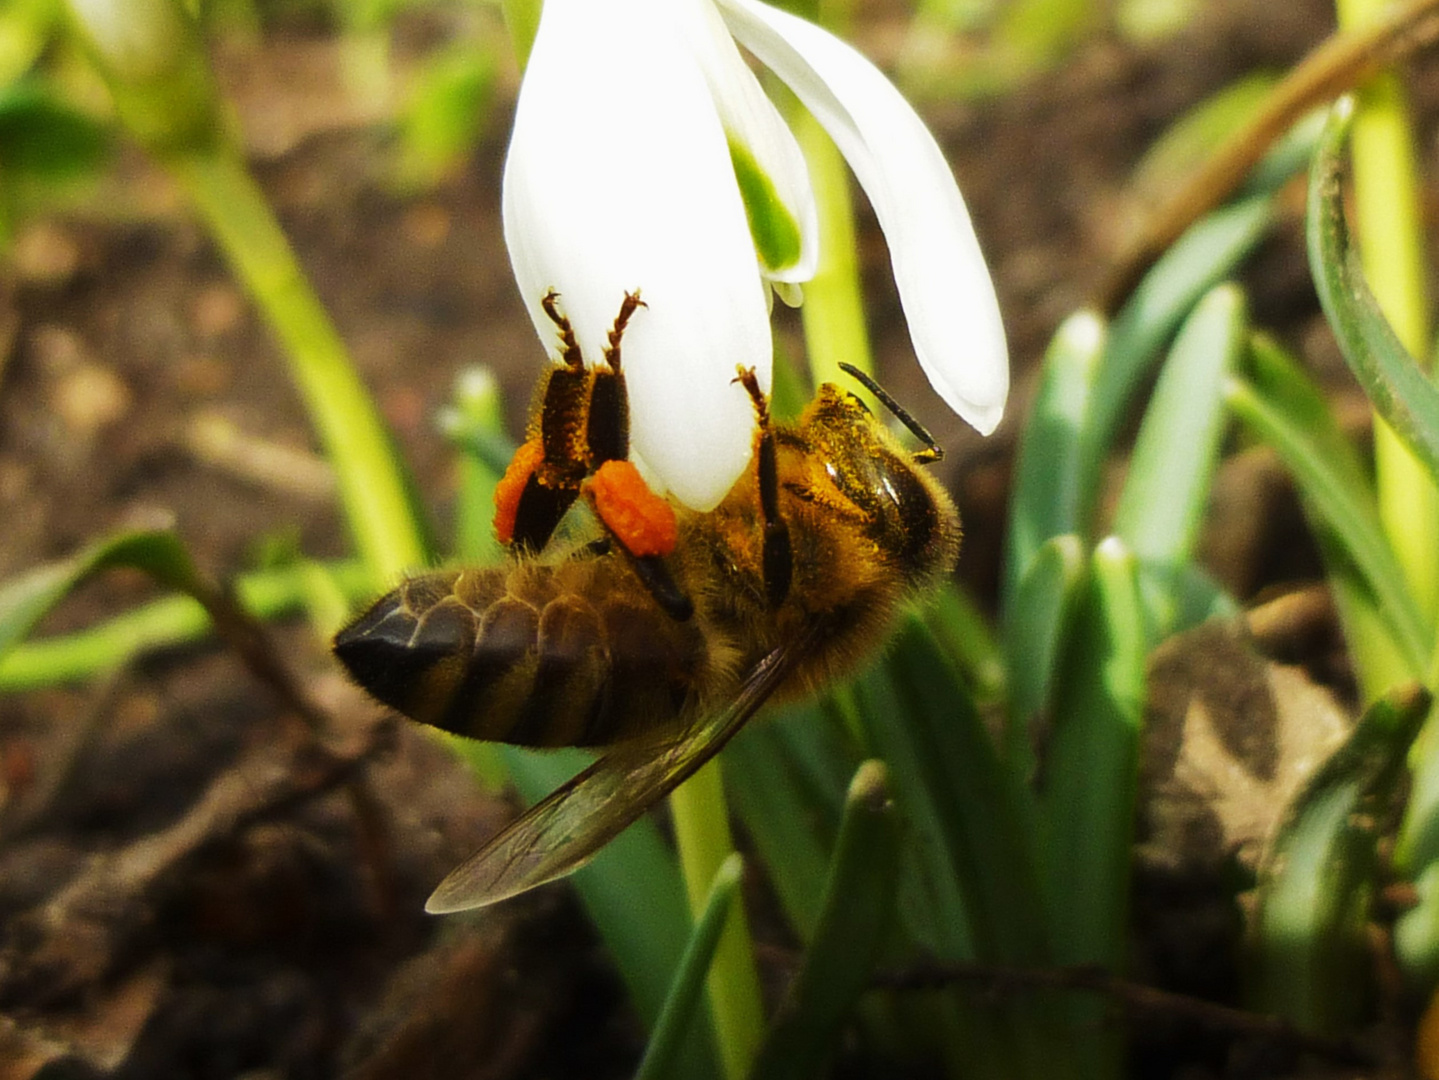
x=534 y=666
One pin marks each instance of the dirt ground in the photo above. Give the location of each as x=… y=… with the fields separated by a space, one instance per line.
x=282 y=933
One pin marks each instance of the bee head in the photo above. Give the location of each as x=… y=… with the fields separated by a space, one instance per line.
x=906 y=512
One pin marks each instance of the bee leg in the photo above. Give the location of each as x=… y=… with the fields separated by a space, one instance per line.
x=778 y=559
x=544 y=477
x=643 y=525
x=608 y=429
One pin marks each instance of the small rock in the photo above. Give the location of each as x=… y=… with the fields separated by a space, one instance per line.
x=90 y=398
x=44 y=254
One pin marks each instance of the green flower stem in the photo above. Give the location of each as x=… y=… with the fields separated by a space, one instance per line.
x=833 y=311
x=1390 y=232
x=382 y=518
x=703 y=835
x=174 y=620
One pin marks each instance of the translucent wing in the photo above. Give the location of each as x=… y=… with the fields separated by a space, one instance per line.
x=564 y=831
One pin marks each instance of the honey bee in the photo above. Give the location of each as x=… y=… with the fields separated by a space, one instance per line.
x=659 y=640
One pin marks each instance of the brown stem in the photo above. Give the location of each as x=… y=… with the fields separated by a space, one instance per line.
x=1342 y=62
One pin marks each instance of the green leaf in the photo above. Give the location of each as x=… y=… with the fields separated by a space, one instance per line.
x=445 y=114
x=1039 y=619
x=43 y=139
x=1396 y=386
x=853 y=924
x=634 y=895
x=474 y=423
x=1177 y=451
x=1087 y=790
x=1310 y=954
x=26 y=599
x=963 y=630
x=173 y=620
x=1278 y=413
x=25 y=28
x=1049 y=487
x=1197 y=261
x=961 y=804
x=786 y=777
x=1091 y=770
x=685 y=1000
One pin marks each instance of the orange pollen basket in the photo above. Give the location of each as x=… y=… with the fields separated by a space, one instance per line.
x=640 y=519
x=512 y=485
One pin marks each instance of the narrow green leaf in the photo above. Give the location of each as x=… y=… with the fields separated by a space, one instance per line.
x=26 y=599
x=1280 y=380
x=173 y=620
x=1177 y=451
x=1049 y=489
x=444 y=117
x=1309 y=949
x=475 y=424
x=1091 y=770
x=958 y=800
x=1087 y=791
x=1416 y=932
x=1039 y=617
x=1344 y=509
x=44 y=139
x=856 y=912
x=963 y=630
x=635 y=873
x=1396 y=386
x=1199 y=260
x=786 y=777
x=686 y=995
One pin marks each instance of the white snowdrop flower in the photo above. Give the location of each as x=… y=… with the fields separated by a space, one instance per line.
x=646 y=156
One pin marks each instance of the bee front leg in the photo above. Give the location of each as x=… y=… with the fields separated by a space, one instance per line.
x=778 y=559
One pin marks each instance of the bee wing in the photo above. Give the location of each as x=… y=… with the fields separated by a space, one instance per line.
x=564 y=831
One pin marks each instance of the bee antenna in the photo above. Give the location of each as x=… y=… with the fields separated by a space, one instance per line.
x=932 y=450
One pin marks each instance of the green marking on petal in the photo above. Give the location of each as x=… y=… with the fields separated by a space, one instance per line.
x=774 y=229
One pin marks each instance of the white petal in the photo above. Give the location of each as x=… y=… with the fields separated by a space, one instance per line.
x=618 y=178
x=945 y=289
x=750 y=119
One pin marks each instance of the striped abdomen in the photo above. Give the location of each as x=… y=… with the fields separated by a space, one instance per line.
x=568 y=654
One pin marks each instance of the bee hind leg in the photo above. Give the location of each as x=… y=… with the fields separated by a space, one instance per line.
x=643 y=525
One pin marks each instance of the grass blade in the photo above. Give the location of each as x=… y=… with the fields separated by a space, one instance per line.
x=1039 y=619
x=26 y=599
x=1396 y=386
x=1199 y=260
x=1342 y=508
x=948 y=780
x=1088 y=789
x=858 y=905
x=787 y=779
x=686 y=996
x=1309 y=949
x=171 y=621
x=1177 y=451
x=1087 y=798
x=1049 y=487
